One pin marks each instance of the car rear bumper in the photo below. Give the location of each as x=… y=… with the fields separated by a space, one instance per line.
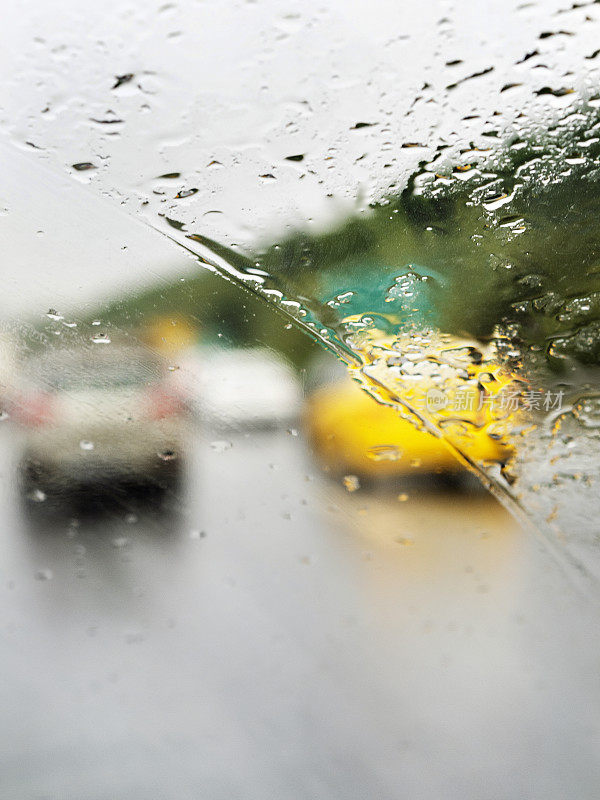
x=61 y=455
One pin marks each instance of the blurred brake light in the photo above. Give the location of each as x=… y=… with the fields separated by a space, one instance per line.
x=165 y=401
x=33 y=410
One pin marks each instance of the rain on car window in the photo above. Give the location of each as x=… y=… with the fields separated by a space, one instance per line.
x=299 y=405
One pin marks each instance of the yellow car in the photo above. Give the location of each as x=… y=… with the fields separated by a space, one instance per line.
x=427 y=402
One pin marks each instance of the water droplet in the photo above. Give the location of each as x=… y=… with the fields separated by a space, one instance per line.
x=85 y=444
x=340 y=299
x=121 y=79
x=385 y=452
x=101 y=338
x=351 y=483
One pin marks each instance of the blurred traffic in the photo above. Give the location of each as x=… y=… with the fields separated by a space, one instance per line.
x=269 y=590
x=229 y=524
x=125 y=410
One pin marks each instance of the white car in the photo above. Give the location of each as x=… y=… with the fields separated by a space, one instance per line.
x=99 y=413
x=245 y=388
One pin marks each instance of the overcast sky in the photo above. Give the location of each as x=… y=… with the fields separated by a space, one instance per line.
x=64 y=247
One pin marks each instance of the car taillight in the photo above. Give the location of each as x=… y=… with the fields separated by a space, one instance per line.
x=33 y=410
x=165 y=401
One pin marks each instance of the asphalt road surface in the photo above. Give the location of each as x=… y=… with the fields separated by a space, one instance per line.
x=270 y=635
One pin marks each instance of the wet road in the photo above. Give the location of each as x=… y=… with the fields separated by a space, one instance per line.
x=273 y=636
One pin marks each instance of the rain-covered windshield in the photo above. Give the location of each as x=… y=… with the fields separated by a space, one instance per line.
x=348 y=256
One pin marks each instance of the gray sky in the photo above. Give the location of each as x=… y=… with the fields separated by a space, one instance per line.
x=64 y=247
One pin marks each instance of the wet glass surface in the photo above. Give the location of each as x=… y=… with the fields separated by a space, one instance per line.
x=299 y=346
